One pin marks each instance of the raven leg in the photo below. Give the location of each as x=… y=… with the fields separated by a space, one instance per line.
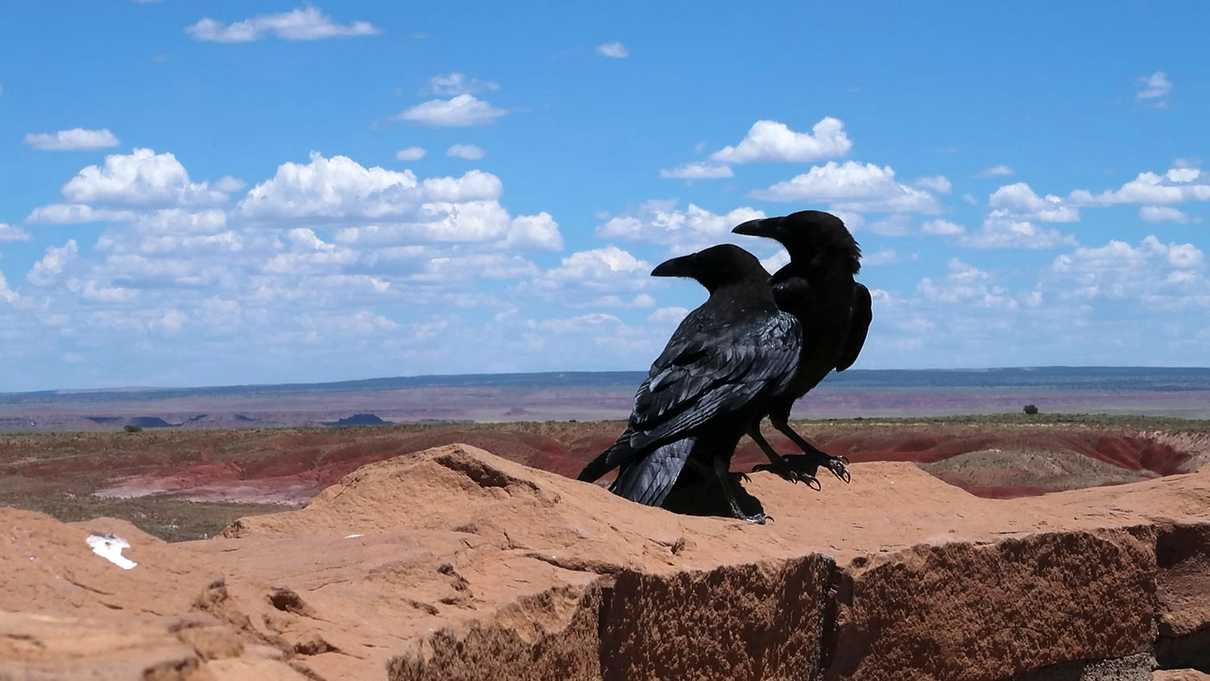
x=722 y=471
x=813 y=456
x=778 y=464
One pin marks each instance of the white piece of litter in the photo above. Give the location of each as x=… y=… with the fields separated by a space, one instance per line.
x=354 y=536
x=110 y=547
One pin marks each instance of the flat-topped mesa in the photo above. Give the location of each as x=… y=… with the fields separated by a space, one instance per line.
x=453 y=563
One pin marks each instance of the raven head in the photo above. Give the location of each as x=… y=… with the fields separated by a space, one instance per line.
x=812 y=237
x=715 y=267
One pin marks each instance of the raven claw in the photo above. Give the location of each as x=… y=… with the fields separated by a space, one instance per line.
x=787 y=471
x=838 y=467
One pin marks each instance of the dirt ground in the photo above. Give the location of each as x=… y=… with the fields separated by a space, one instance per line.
x=186 y=484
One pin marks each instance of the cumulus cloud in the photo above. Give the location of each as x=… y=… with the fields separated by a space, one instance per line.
x=664 y=223
x=604 y=269
x=1177 y=185
x=47 y=270
x=1152 y=271
x=1162 y=214
x=11 y=233
x=306 y=23
x=140 y=178
x=455 y=83
x=1021 y=201
x=76 y=213
x=75 y=139
x=1003 y=230
x=459 y=111
x=852 y=186
x=1154 y=89
x=775 y=141
x=339 y=188
x=469 y=152
x=7 y=295
x=965 y=283
x=535 y=231
x=613 y=50
x=697 y=171
x=410 y=154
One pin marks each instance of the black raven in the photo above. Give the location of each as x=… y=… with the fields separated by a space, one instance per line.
x=835 y=312
x=715 y=379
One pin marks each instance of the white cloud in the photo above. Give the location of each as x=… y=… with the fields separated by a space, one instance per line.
x=1162 y=214
x=47 y=270
x=668 y=315
x=468 y=152
x=697 y=171
x=607 y=268
x=852 y=186
x=339 y=188
x=1153 y=272
x=776 y=261
x=10 y=233
x=774 y=141
x=942 y=228
x=410 y=154
x=663 y=223
x=306 y=23
x=935 y=183
x=1182 y=173
x=996 y=171
x=7 y=295
x=75 y=139
x=457 y=112
x=613 y=50
x=536 y=231
x=76 y=213
x=965 y=283
x=1175 y=186
x=1154 y=89
x=140 y=178
x=1002 y=230
x=1020 y=200
x=455 y=83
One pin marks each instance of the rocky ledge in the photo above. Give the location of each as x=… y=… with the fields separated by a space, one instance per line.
x=455 y=564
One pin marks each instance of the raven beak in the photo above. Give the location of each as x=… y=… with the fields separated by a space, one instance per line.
x=676 y=267
x=765 y=227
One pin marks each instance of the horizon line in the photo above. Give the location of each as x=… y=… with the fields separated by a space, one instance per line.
x=299 y=384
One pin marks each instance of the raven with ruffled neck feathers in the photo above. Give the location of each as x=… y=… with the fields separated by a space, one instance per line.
x=834 y=310
x=726 y=363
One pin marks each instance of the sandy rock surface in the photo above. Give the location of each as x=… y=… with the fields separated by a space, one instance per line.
x=456 y=564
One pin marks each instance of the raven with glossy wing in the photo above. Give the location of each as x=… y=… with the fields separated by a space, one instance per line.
x=726 y=363
x=834 y=310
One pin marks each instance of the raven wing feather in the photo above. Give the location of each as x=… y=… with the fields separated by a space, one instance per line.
x=702 y=375
x=859 y=326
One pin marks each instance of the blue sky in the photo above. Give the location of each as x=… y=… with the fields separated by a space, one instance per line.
x=235 y=192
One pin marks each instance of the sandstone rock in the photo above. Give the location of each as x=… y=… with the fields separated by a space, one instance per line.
x=1180 y=675
x=455 y=564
